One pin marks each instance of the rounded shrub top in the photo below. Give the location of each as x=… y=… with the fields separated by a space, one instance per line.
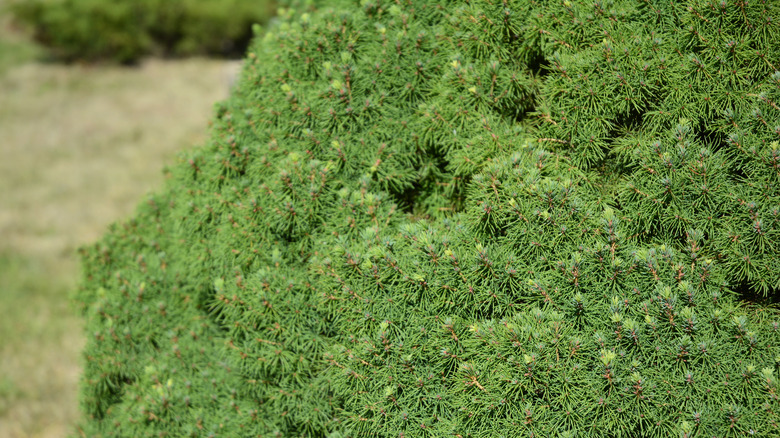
x=461 y=219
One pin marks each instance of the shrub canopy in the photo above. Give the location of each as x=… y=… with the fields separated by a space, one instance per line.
x=482 y=218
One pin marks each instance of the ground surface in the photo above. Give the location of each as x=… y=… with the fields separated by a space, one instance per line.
x=79 y=148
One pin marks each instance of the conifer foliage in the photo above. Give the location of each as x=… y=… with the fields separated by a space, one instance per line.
x=483 y=218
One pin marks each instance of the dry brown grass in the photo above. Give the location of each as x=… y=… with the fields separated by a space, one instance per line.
x=80 y=147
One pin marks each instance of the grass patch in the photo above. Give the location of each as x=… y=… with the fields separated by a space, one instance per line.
x=40 y=340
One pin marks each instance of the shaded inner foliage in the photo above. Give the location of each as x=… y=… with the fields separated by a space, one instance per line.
x=479 y=218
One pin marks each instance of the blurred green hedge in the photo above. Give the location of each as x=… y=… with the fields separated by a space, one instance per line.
x=126 y=30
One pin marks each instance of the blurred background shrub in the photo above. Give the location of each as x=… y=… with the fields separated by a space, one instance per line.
x=125 y=30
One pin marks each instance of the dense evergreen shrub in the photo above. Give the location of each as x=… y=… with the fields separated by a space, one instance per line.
x=482 y=218
x=125 y=30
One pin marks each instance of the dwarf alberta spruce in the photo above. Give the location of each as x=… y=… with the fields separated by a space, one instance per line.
x=480 y=218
